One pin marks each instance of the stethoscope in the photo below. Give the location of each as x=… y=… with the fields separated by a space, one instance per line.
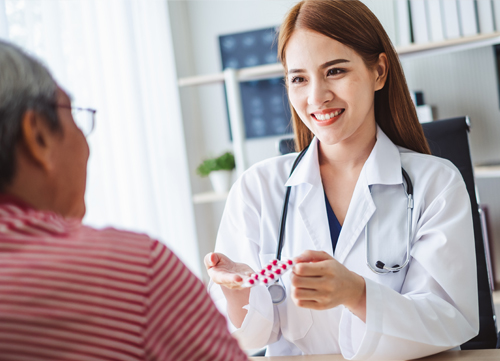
x=278 y=291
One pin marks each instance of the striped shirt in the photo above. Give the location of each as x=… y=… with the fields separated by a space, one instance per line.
x=70 y=292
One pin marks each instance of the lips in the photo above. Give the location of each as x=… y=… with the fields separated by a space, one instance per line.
x=328 y=117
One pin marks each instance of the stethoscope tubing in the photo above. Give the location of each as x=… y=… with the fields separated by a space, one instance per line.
x=380 y=266
x=284 y=211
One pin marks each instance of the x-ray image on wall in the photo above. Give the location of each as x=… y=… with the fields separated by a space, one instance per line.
x=265 y=104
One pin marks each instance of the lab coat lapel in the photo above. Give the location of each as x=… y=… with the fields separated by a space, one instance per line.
x=359 y=213
x=310 y=198
x=383 y=166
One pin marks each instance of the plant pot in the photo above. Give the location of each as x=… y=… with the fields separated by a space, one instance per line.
x=221 y=180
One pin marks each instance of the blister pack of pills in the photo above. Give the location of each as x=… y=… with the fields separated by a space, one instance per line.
x=269 y=274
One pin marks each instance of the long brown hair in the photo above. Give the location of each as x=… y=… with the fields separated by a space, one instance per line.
x=351 y=23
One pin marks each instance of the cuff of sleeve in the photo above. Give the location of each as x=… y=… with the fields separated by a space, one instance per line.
x=358 y=340
x=257 y=326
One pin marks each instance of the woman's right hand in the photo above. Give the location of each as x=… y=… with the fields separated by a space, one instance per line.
x=223 y=271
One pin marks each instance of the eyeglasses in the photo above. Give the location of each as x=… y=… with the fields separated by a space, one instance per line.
x=84 y=118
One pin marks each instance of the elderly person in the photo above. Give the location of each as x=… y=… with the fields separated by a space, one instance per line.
x=67 y=291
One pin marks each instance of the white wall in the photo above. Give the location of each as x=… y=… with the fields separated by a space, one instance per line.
x=462 y=83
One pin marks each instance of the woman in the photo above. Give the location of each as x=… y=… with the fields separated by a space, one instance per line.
x=353 y=113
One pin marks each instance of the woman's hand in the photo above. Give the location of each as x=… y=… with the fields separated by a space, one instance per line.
x=320 y=282
x=223 y=271
x=228 y=274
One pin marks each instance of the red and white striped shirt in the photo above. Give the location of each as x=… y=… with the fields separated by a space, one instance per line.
x=70 y=292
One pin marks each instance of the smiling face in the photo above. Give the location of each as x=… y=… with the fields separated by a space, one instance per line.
x=331 y=88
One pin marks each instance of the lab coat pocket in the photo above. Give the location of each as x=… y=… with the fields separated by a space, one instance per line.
x=295 y=321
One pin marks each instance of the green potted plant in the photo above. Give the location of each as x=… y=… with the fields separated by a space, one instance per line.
x=219 y=170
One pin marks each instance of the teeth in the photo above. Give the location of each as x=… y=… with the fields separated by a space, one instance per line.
x=328 y=116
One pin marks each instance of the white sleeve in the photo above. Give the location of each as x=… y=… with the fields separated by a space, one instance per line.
x=238 y=238
x=437 y=308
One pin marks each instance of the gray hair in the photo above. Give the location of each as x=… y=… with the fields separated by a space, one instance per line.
x=25 y=84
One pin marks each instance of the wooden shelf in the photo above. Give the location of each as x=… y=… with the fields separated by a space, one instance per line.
x=449 y=46
x=487 y=171
x=414 y=50
x=209 y=197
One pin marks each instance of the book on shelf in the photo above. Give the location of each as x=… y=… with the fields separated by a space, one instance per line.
x=435 y=20
x=467 y=15
x=450 y=19
x=403 y=27
x=419 y=22
x=485 y=16
x=496 y=14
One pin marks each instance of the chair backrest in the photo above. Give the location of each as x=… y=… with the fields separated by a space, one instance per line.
x=449 y=139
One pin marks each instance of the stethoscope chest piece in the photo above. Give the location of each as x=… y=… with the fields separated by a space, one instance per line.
x=278 y=293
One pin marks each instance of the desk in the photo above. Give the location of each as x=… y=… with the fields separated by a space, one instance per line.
x=470 y=355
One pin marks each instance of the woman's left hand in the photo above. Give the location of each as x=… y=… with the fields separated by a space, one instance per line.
x=320 y=282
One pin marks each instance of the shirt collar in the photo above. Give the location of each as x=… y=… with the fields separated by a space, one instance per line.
x=383 y=165
x=307 y=170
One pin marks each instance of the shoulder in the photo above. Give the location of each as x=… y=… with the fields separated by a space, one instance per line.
x=433 y=174
x=117 y=241
x=427 y=164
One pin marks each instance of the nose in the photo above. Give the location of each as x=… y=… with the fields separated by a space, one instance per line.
x=319 y=93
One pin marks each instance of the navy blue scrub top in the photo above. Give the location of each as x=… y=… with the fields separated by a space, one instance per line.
x=334 y=224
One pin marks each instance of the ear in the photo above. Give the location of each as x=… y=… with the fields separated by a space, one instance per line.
x=381 y=68
x=37 y=139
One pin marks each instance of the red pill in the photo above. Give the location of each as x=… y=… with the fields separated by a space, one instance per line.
x=271 y=276
x=251 y=281
x=283 y=266
x=256 y=276
x=275 y=262
x=262 y=272
x=269 y=267
x=264 y=280
x=290 y=262
x=278 y=271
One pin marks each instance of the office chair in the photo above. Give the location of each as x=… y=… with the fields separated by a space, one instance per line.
x=449 y=139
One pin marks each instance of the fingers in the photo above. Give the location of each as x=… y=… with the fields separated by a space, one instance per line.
x=305 y=294
x=210 y=260
x=316 y=269
x=313 y=299
x=224 y=278
x=312 y=256
x=307 y=282
x=310 y=304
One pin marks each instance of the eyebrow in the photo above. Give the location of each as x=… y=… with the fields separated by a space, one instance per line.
x=323 y=66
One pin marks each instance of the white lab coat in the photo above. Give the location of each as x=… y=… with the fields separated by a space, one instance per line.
x=428 y=307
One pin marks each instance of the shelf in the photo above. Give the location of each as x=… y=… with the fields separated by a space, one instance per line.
x=449 y=46
x=487 y=171
x=244 y=74
x=407 y=52
x=209 y=197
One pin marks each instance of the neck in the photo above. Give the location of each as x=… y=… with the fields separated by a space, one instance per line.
x=350 y=153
